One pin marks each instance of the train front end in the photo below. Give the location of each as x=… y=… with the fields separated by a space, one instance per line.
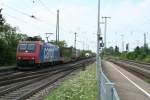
x=26 y=54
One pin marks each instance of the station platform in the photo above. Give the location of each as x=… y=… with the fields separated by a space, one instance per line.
x=128 y=86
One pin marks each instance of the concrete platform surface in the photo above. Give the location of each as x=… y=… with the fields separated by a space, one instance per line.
x=129 y=87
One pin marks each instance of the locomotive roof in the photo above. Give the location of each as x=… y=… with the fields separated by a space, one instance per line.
x=39 y=43
x=52 y=44
x=30 y=41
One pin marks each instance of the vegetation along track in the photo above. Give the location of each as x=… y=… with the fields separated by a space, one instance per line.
x=141 y=70
x=20 y=88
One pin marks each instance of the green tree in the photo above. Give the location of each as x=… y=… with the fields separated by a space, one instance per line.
x=2 y=20
x=8 y=42
x=60 y=43
x=116 y=51
x=3 y=50
x=109 y=51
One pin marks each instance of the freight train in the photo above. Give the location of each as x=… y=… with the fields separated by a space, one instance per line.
x=32 y=54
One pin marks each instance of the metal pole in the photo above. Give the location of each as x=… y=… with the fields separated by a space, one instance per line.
x=98 y=71
x=105 y=32
x=58 y=23
x=105 y=35
x=144 y=40
x=56 y=34
x=56 y=28
x=75 y=42
x=83 y=45
x=122 y=42
x=145 y=44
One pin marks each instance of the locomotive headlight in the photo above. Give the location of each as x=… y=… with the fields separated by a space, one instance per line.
x=32 y=58
x=19 y=58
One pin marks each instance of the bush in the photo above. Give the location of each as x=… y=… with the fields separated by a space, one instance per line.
x=147 y=58
x=141 y=56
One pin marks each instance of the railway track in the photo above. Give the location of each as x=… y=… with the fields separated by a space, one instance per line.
x=18 y=87
x=139 y=69
x=9 y=70
x=139 y=64
x=20 y=75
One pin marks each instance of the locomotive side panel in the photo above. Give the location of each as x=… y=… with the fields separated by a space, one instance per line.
x=49 y=53
x=56 y=54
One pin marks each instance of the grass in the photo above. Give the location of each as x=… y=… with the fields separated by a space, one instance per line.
x=81 y=86
x=148 y=81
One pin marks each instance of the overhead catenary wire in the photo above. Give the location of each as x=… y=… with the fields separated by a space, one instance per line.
x=28 y=15
x=33 y=17
x=27 y=22
x=17 y=18
x=25 y=14
x=21 y=12
x=14 y=17
x=43 y=4
x=35 y=26
x=18 y=11
x=51 y=12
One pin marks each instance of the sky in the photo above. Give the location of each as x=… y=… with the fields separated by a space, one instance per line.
x=130 y=19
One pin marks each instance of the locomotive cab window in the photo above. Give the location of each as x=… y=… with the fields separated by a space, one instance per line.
x=30 y=47
x=22 y=47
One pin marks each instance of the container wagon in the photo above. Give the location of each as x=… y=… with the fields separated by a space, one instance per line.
x=69 y=54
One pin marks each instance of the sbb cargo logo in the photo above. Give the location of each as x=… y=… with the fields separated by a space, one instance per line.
x=47 y=53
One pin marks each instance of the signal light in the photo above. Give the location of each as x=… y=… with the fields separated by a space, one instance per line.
x=101 y=44
x=100 y=38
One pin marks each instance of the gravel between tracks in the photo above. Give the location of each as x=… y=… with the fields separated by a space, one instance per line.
x=24 y=88
x=137 y=69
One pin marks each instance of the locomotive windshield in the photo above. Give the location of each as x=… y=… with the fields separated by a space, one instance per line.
x=29 y=47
